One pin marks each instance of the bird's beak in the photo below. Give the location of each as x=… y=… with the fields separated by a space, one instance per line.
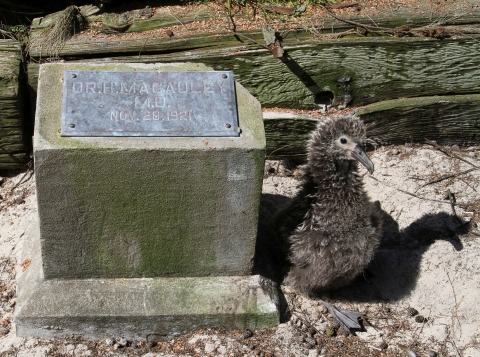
x=359 y=154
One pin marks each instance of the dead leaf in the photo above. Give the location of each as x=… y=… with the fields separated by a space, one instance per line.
x=25 y=264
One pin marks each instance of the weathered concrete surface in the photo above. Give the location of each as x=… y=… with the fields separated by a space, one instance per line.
x=141 y=309
x=136 y=207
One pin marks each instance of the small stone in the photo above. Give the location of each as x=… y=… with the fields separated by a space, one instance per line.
x=420 y=319
x=116 y=346
x=383 y=346
x=310 y=342
x=395 y=151
x=432 y=354
x=247 y=334
x=209 y=347
x=123 y=342
x=312 y=353
x=109 y=342
x=169 y=33
x=222 y=349
x=411 y=311
x=4 y=331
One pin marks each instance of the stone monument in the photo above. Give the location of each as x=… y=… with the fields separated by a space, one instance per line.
x=148 y=183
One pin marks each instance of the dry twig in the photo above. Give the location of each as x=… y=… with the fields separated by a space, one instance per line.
x=449 y=152
x=22 y=181
x=232 y=28
x=407 y=192
x=355 y=23
x=445 y=177
x=451 y=198
x=10 y=254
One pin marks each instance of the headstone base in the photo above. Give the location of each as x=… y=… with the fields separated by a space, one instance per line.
x=136 y=309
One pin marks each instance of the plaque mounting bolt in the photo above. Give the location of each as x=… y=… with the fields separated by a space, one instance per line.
x=228 y=125
x=73 y=75
x=71 y=126
x=224 y=76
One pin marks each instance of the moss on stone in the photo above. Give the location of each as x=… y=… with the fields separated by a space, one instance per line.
x=146 y=207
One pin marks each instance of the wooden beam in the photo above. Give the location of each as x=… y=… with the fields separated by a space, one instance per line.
x=447 y=119
x=357 y=71
x=12 y=115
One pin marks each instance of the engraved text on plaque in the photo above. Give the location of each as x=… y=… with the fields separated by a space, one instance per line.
x=149 y=103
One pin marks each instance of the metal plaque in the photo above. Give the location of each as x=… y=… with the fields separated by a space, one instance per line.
x=131 y=103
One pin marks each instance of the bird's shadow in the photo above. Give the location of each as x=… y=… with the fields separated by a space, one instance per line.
x=394 y=270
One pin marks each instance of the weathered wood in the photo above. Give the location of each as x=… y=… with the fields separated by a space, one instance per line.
x=414 y=15
x=32 y=83
x=447 y=119
x=287 y=135
x=10 y=161
x=355 y=71
x=379 y=69
x=352 y=71
x=12 y=144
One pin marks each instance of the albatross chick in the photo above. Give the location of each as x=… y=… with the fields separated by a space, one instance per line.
x=332 y=227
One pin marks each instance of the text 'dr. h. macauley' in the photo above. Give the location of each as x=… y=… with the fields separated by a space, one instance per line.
x=149 y=103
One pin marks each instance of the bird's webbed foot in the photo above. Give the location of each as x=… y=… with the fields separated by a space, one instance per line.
x=347 y=319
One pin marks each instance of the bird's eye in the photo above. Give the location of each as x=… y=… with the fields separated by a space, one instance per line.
x=343 y=141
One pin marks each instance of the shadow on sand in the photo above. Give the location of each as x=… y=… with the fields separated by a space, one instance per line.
x=394 y=271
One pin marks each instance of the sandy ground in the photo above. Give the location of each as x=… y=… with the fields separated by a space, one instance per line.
x=419 y=296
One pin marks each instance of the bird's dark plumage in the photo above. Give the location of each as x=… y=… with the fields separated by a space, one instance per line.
x=332 y=226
